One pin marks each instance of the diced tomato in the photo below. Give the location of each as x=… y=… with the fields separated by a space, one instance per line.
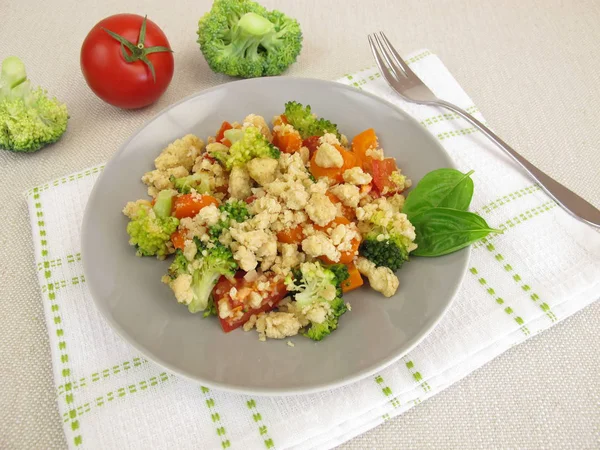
x=221 y=133
x=239 y=305
x=291 y=235
x=347 y=256
x=354 y=281
x=312 y=143
x=382 y=170
x=287 y=143
x=188 y=205
x=347 y=212
x=178 y=238
x=250 y=199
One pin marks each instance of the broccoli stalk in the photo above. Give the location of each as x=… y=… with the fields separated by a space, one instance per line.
x=29 y=120
x=231 y=210
x=241 y=38
x=307 y=124
x=211 y=261
x=252 y=144
x=151 y=228
x=315 y=285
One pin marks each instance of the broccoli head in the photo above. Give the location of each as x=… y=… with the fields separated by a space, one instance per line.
x=317 y=331
x=231 y=210
x=385 y=244
x=193 y=281
x=200 y=181
x=318 y=294
x=252 y=144
x=388 y=252
x=307 y=124
x=241 y=38
x=29 y=120
x=151 y=228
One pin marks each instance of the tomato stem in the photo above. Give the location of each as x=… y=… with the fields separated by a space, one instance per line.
x=138 y=52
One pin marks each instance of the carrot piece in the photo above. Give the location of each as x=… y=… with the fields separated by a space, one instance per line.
x=354 y=281
x=291 y=235
x=347 y=212
x=188 y=205
x=287 y=143
x=178 y=238
x=347 y=256
x=363 y=142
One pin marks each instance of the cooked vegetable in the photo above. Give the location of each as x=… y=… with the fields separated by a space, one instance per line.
x=354 y=279
x=200 y=181
x=447 y=188
x=241 y=38
x=232 y=210
x=319 y=288
x=127 y=61
x=151 y=228
x=251 y=144
x=307 y=124
x=29 y=120
x=188 y=205
x=193 y=281
x=389 y=252
x=443 y=230
x=275 y=292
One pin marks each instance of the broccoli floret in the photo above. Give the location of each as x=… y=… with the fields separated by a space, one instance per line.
x=211 y=309
x=179 y=265
x=251 y=145
x=29 y=120
x=150 y=230
x=199 y=181
x=317 y=331
x=384 y=245
x=241 y=38
x=388 y=252
x=233 y=210
x=307 y=124
x=211 y=262
x=314 y=284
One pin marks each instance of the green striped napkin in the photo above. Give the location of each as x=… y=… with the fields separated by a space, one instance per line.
x=545 y=267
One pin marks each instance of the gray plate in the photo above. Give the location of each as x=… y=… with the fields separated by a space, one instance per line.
x=128 y=292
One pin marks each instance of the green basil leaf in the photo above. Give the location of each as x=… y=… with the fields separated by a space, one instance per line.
x=444 y=230
x=447 y=188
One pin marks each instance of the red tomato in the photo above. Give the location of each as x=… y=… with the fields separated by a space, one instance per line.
x=381 y=171
x=240 y=307
x=312 y=143
x=122 y=83
x=188 y=205
x=221 y=133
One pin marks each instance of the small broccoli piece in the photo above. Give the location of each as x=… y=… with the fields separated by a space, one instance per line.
x=251 y=145
x=388 y=252
x=241 y=38
x=318 y=331
x=212 y=261
x=319 y=286
x=233 y=210
x=179 y=265
x=384 y=244
x=199 y=181
x=29 y=120
x=150 y=230
x=307 y=124
x=211 y=309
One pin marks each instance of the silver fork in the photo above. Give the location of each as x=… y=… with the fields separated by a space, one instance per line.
x=408 y=85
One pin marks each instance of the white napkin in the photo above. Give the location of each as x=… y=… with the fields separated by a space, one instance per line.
x=545 y=267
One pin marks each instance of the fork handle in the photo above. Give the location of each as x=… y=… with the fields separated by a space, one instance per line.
x=567 y=199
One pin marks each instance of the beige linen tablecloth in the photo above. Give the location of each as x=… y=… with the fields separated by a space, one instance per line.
x=533 y=69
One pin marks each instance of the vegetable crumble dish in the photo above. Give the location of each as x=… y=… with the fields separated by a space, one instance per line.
x=268 y=227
